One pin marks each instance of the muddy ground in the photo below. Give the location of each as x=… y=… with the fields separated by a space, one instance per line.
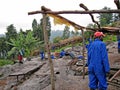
x=40 y=79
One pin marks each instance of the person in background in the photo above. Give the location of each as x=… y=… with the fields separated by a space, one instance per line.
x=62 y=53
x=118 y=39
x=20 y=58
x=52 y=56
x=53 y=48
x=42 y=55
x=90 y=40
x=98 y=63
x=118 y=46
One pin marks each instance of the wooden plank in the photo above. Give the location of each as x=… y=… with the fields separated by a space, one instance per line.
x=24 y=71
x=115 y=67
x=114 y=84
x=16 y=74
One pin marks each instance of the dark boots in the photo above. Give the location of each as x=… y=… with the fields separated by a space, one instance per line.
x=92 y=89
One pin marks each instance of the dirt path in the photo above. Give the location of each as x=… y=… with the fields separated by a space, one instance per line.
x=66 y=81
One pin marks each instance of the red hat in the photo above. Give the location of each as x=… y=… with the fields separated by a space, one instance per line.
x=98 y=34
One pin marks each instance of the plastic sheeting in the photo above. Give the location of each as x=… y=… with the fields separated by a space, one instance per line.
x=61 y=21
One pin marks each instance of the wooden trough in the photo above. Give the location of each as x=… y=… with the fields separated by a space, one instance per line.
x=26 y=72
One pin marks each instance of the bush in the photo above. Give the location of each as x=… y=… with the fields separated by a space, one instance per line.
x=5 y=62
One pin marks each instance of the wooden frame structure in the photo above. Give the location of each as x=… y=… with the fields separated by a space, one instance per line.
x=46 y=11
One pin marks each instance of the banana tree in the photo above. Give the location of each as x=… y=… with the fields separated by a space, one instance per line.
x=26 y=42
x=30 y=43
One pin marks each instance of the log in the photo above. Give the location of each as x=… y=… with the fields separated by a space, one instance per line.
x=114 y=84
x=48 y=11
x=75 y=12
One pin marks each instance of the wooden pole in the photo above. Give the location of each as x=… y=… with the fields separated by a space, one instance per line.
x=48 y=52
x=115 y=75
x=76 y=12
x=83 y=54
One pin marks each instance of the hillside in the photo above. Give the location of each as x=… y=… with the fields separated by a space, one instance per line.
x=65 y=77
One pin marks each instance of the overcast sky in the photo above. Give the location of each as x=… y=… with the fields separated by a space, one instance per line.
x=16 y=11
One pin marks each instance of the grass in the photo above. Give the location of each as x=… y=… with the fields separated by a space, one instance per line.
x=5 y=62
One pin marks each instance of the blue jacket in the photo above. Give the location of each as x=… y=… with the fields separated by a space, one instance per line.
x=98 y=57
x=62 y=53
x=42 y=55
x=118 y=44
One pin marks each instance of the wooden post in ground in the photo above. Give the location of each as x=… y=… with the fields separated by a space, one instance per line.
x=48 y=52
x=83 y=54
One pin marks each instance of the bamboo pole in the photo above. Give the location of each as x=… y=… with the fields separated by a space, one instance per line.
x=83 y=53
x=76 y=12
x=48 y=52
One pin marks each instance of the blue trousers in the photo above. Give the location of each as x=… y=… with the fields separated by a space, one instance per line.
x=97 y=81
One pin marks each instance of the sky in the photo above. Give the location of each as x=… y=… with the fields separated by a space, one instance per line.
x=16 y=11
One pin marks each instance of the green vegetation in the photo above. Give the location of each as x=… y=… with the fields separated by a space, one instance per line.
x=27 y=40
x=110 y=38
x=6 y=62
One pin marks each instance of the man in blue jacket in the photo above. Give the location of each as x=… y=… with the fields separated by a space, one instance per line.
x=118 y=38
x=119 y=46
x=42 y=55
x=62 y=53
x=98 y=63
